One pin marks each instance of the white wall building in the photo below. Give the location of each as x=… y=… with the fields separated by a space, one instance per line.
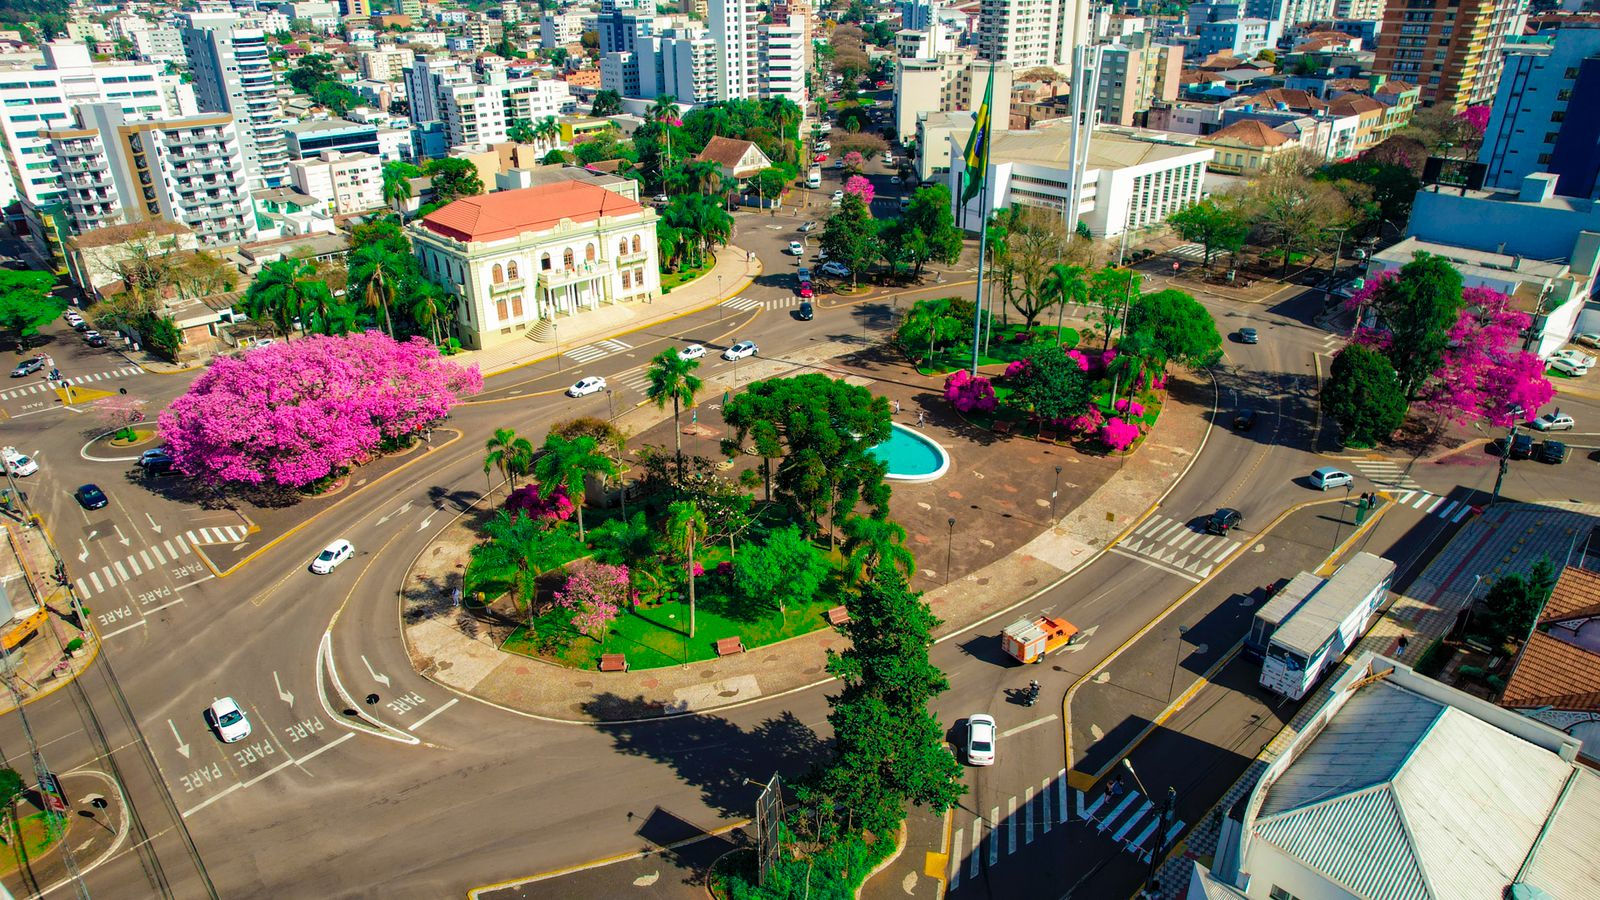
x=158 y=45
x=682 y=63
x=558 y=29
x=518 y=260
x=1030 y=33
x=955 y=81
x=426 y=78
x=734 y=28
x=782 y=47
x=1538 y=88
x=348 y=183
x=384 y=65
x=232 y=74
x=116 y=168
x=1134 y=179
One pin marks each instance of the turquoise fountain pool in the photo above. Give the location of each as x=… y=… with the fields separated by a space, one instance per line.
x=911 y=455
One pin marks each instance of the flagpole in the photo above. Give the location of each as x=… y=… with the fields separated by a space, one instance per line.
x=983 y=246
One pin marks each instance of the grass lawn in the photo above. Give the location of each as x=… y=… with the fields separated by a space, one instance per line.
x=35 y=840
x=1003 y=348
x=671 y=280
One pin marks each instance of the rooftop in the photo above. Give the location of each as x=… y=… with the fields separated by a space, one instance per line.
x=724 y=151
x=1475 y=263
x=312 y=127
x=1560 y=666
x=1107 y=149
x=1250 y=133
x=507 y=214
x=112 y=235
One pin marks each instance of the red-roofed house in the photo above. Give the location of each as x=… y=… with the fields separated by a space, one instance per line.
x=1556 y=678
x=1246 y=147
x=517 y=259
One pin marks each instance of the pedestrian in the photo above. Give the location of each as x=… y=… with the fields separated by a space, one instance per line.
x=922 y=417
x=1116 y=787
x=1400 y=648
x=896 y=407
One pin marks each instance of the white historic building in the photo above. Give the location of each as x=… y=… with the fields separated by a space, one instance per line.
x=518 y=261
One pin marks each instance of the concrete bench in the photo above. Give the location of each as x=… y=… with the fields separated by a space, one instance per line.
x=838 y=616
x=1047 y=435
x=613 y=662
x=729 y=646
x=1001 y=426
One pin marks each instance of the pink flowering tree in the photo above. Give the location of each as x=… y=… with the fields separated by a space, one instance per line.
x=527 y=501
x=1088 y=423
x=294 y=413
x=1078 y=357
x=967 y=392
x=853 y=160
x=595 y=593
x=1485 y=373
x=120 y=413
x=1119 y=435
x=1133 y=409
x=1477 y=117
x=861 y=187
x=1018 y=368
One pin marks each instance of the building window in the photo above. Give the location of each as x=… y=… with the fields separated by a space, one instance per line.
x=499 y=274
x=1559 y=115
x=511 y=270
x=500 y=310
x=622 y=247
x=544 y=263
x=636 y=243
x=516 y=306
x=567 y=259
x=1544 y=159
x=1278 y=893
x=627 y=279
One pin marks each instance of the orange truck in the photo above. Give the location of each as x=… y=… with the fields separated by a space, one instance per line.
x=1029 y=640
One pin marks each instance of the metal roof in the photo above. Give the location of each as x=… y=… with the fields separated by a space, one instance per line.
x=1316 y=619
x=1288 y=597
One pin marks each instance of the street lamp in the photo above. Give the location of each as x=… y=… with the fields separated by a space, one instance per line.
x=611 y=402
x=948 y=542
x=1053 y=494
x=1169 y=811
x=1339 y=525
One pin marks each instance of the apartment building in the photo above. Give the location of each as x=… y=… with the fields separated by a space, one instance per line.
x=232 y=74
x=117 y=168
x=734 y=29
x=388 y=64
x=558 y=29
x=158 y=45
x=1449 y=48
x=953 y=81
x=1133 y=78
x=428 y=77
x=482 y=113
x=348 y=183
x=682 y=63
x=309 y=139
x=782 y=52
x=1365 y=10
x=1031 y=33
x=1546 y=114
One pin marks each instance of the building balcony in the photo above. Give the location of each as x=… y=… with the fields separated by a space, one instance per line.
x=85 y=165
x=580 y=272
x=509 y=286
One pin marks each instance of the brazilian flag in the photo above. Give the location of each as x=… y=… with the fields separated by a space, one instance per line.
x=977 y=156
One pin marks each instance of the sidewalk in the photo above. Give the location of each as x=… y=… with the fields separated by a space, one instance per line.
x=40 y=663
x=461 y=652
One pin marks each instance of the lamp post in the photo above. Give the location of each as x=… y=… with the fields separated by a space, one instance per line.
x=1339 y=525
x=611 y=402
x=1169 y=811
x=1505 y=460
x=1054 y=492
x=949 y=541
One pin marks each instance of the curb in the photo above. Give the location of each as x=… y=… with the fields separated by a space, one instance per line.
x=899 y=848
x=473 y=893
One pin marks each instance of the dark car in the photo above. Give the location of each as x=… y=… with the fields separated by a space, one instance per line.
x=1223 y=521
x=1248 y=336
x=802 y=275
x=805 y=313
x=96 y=341
x=80 y=325
x=1552 y=452
x=1245 y=420
x=1521 y=447
x=90 y=496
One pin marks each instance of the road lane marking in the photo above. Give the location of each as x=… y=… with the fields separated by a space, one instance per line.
x=955 y=857
x=111 y=634
x=1026 y=725
x=1027 y=813
x=193 y=583
x=146 y=557
x=1044 y=805
x=994 y=835
x=1011 y=824
x=95 y=578
x=977 y=847
x=1061 y=797
x=121 y=572
x=134 y=565
x=1159 y=565
x=156 y=552
x=424 y=720
x=164 y=606
x=212 y=799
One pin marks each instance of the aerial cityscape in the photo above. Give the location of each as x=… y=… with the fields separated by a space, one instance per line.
x=800 y=449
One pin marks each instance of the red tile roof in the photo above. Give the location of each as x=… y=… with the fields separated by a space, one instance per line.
x=1576 y=594
x=1354 y=105
x=1249 y=132
x=1552 y=671
x=492 y=217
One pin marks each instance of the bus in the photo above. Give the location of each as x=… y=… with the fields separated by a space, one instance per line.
x=1322 y=625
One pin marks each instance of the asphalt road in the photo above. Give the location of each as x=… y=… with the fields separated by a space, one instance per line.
x=422 y=793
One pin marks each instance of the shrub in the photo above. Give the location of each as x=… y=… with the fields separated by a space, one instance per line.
x=526 y=501
x=1119 y=435
x=1078 y=357
x=1088 y=423
x=968 y=392
x=1133 y=409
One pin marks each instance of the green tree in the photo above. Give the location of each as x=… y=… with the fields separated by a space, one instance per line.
x=672 y=378
x=508 y=452
x=1394 y=186
x=11 y=785
x=1036 y=240
x=285 y=290
x=851 y=236
x=701 y=218
x=1216 y=225
x=926 y=232
x=685 y=528
x=930 y=323
x=1295 y=212
x=336 y=97
x=429 y=305
x=547 y=131
x=1065 y=285
x=161 y=335
x=26 y=304
x=569 y=464
x=1177 y=326
x=872 y=543
x=1364 y=395
x=454 y=178
x=397 y=177
x=1514 y=602
x=782 y=571
x=770 y=183
x=520 y=131
x=1052 y=387
x=606 y=103
x=510 y=551
x=312 y=70
x=376 y=274
x=1420 y=306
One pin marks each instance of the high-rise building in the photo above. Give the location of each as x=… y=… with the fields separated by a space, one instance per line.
x=348 y=183
x=1135 y=75
x=682 y=63
x=1449 y=48
x=916 y=15
x=734 y=29
x=117 y=168
x=782 y=47
x=1547 y=111
x=1366 y=10
x=1031 y=33
x=233 y=74
x=426 y=78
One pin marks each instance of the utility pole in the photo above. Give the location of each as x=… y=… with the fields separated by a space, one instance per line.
x=1505 y=462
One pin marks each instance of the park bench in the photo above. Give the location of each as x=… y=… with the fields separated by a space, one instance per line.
x=1001 y=426
x=729 y=646
x=1047 y=435
x=613 y=662
x=838 y=616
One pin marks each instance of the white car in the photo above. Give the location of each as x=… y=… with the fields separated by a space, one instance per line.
x=796 y=248
x=1587 y=339
x=836 y=269
x=1568 y=367
x=228 y=719
x=888 y=159
x=1553 y=422
x=838 y=196
x=592 y=384
x=740 y=350
x=693 y=351
x=18 y=463
x=331 y=556
x=980 y=740
x=1576 y=357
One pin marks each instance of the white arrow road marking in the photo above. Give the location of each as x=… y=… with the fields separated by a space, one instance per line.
x=85 y=554
x=153 y=526
x=1082 y=639
x=182 y=747
x=283 y=695
x=376 y=676
x=124 y=540
x=427 y=519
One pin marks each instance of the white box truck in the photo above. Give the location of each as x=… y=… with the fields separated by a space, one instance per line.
x=814 y=177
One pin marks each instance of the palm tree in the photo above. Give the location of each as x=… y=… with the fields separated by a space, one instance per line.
x=672 y=378
x=547 y=131
x=520 y=132
x=508 y=452
x=513 y=544
x=1065 y=284
x=397 y=185
x=427 y=305
x=566 y=463
x=375 y=273
x=664 y=111
x=686 y=526
x=871 y=542
x=706 y=177
x=783 y=112
x=285 y=290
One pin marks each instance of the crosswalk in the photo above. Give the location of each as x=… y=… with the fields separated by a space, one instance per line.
x=168 y=552
x=1431 y=504
x=40 y=387
x=635 y=379
x=1176 y=547
x=741 y=304
x=1196 y=252
x=598 y=350
x=1130 y=819
x=1386 y=474
x=745 y=304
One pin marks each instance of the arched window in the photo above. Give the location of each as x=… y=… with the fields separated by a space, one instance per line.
x=544 y=263
x=627 y=280
x=636 y=243
x=622 y=247
x=499 y=274
x=511 y=270
x=566 y=258
x=588 y=253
